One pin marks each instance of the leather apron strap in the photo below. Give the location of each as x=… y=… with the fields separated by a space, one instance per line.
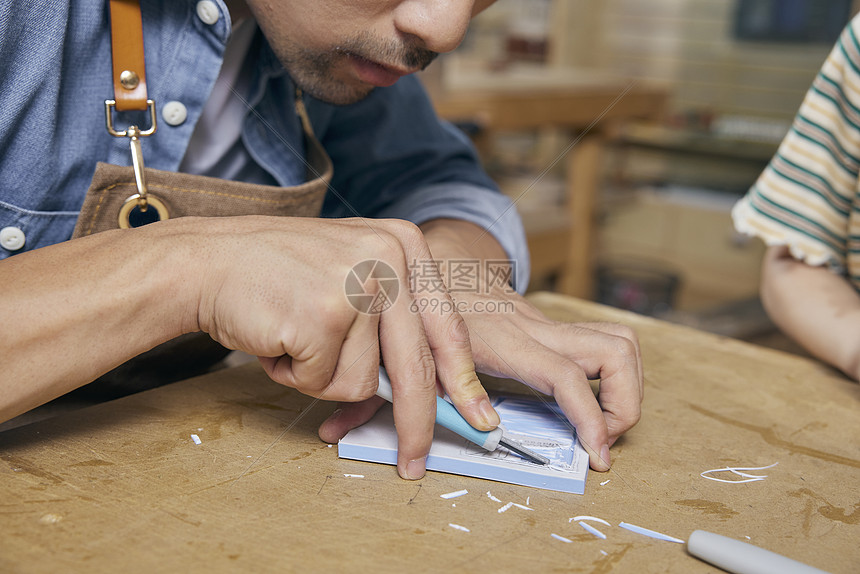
x=129 y=66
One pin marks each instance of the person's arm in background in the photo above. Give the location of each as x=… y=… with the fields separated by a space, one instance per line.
x=805 y=207
x=814 y=306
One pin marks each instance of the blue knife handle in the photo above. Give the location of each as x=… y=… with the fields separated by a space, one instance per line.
x=448 y=417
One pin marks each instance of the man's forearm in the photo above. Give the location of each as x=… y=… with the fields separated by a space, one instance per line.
x=73 y=311
x=816 y=307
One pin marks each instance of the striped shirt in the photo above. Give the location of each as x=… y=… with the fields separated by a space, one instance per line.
x=808 y=197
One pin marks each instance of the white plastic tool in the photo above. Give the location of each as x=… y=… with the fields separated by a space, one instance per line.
x=742 y=558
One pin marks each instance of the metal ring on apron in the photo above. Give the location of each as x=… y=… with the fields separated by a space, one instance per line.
x=133 y=215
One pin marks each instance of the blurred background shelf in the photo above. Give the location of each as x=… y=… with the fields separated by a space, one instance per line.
x=577 y=106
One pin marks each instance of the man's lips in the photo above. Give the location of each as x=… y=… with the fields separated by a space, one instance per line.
x=376 y=74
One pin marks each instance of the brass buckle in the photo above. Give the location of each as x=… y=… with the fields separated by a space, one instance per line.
x=109 y=107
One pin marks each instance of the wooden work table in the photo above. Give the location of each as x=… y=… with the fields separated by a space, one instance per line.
x=122 y=487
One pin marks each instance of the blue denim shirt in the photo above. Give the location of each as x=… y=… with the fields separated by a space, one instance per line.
x=392 y=157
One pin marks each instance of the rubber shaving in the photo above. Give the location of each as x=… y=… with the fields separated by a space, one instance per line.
x=51 y=518
x=527 y=500
x=521 y=506
x=458 y=527
x=651 y=533
x=593 y=530
x=196 y=439
x=737 y=470
x=561 y=538
x=454 y=494
x=505 y=507
x=584 y=517
x=604 y=483
x=604 y=552
x=354 y=475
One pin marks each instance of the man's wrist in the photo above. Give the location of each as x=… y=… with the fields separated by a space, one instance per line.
x=181 y=271
x=458 y=239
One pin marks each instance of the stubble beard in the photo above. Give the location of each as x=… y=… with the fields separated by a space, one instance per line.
x=325 y=74
x=316 y=74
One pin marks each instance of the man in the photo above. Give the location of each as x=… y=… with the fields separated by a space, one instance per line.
x=274 y=287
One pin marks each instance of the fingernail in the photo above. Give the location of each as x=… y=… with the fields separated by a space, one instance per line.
x=605 y=457
x=489 y=414
x=415 y=469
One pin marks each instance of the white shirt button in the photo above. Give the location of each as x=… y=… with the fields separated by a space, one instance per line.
x=12 y=238
x=174 y=113
x=208 y=11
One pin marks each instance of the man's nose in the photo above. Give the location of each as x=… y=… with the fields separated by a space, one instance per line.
x=439 y=24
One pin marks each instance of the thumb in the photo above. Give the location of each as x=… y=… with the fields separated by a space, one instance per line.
x=347 y=417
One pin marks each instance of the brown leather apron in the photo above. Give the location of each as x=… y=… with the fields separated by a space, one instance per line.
x=183 y=195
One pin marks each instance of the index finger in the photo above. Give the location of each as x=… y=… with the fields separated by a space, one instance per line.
x=447 y=335
x=409 y=363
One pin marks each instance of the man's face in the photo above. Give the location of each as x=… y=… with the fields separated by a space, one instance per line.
x=339 y=50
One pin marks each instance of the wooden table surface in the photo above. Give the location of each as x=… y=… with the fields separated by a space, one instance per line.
x=122 y=487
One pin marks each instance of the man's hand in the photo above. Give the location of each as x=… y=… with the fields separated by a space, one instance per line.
x=510 y=338
x=558 y=359
x=275 y=288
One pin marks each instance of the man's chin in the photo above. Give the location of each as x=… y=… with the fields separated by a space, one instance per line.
x=337 y=95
